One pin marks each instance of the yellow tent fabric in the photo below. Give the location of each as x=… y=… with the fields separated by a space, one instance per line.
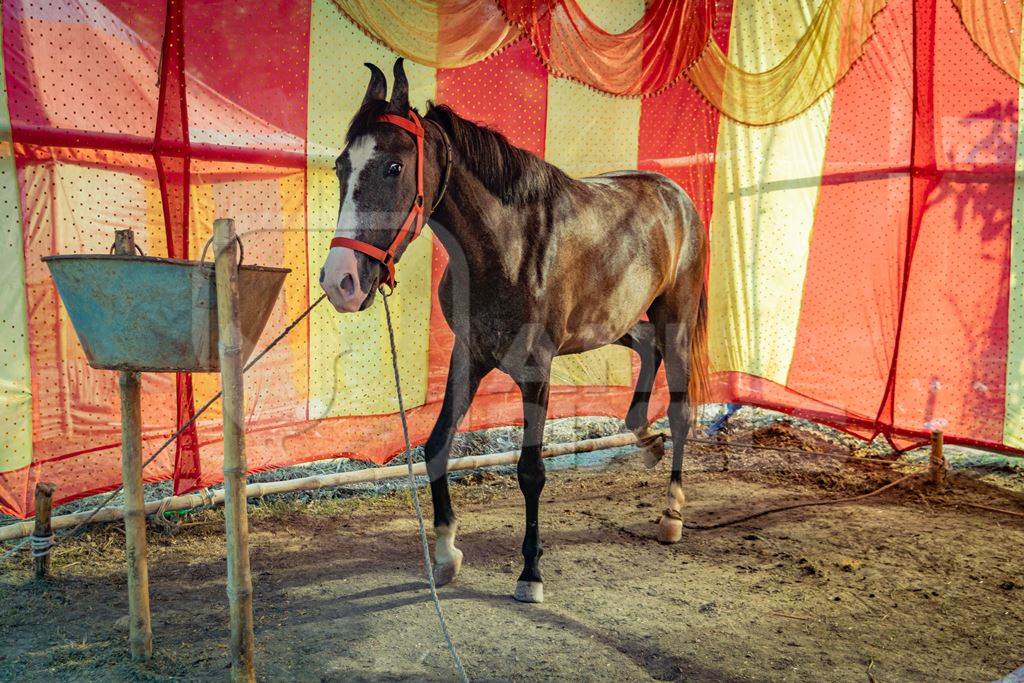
x=761 y=227
x=15 y=371
x=353 y=359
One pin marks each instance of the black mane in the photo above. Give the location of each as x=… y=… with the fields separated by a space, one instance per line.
x=508 y=172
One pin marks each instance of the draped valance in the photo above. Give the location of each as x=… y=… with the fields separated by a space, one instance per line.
x=671 y=40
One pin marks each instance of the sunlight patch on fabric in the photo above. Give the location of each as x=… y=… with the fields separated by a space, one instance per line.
x=760 y=238
x=15 y=372
x=1013 y=416
x=577 y=117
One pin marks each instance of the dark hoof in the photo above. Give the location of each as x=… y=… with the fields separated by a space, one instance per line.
x=529 y=591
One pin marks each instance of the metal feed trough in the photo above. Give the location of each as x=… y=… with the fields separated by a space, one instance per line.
x=144 y=314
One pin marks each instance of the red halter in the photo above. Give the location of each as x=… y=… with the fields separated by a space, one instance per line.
x=413 y=222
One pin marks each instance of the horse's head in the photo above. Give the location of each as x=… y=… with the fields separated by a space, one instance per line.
x=380 y=194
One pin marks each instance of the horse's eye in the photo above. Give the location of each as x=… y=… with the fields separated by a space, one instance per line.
x=393 y=169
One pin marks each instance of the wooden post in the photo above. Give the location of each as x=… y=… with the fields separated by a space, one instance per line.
x=937 y=461
x=236 y=520
x=124 y=242
x=140 y=631
x=43 y=529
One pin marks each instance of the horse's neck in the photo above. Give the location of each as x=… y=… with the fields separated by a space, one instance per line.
x=473 y=224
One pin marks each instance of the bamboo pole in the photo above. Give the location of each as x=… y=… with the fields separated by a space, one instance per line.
x=140 y=631
x=937 y=460
x=43 y=529
x=236 y=521
x=370 y=475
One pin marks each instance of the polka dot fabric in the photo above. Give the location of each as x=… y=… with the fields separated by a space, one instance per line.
x=860 y=294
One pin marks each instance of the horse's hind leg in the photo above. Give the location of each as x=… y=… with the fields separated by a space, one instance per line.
x=675 y=317
x=464 y=377
x=641 y=338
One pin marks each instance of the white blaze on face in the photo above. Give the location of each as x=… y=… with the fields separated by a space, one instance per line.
x=359 y=153
x=340 y=275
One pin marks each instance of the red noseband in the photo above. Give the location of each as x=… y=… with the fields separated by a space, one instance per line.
x=413 y=222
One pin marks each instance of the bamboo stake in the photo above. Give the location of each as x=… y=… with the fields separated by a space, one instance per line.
x=189 y=501
x=44 y=509
x=236 y=521
x=140 y=631
x=936 y=460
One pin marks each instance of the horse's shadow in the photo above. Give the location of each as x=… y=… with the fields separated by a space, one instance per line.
x=299 y=591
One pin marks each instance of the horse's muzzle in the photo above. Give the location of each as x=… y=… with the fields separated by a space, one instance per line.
x=339 y=278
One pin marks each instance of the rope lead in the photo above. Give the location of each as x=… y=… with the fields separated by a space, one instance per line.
x=428 y=566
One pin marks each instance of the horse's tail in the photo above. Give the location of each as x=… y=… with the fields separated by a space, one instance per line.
x=699 y=389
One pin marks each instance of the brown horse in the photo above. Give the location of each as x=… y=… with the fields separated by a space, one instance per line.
x=540 y=264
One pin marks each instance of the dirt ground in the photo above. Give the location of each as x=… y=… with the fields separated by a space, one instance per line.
x=911 y=585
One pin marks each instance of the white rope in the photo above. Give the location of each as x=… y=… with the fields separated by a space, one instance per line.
x=41 y=545
x=11 y=552
x=207 y=496
x=169 y=526
x=428 y=566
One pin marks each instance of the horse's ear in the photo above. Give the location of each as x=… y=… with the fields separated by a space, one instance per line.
x=399 y=90
x=378 y=86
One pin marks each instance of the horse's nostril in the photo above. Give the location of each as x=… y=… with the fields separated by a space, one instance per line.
x=321 y=276
x=348 y=285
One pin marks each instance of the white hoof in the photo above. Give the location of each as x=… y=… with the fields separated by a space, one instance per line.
x=670 y=529
x=529 y=591
x=445 y=572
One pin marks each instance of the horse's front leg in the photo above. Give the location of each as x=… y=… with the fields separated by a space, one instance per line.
x=464 y=375
x=530 y=469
